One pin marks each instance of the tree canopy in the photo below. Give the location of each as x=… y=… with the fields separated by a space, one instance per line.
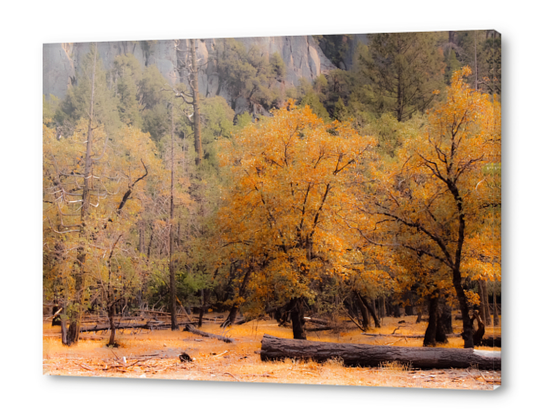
x=369 y=188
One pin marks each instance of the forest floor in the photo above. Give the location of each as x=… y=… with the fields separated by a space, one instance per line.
x=154 y=354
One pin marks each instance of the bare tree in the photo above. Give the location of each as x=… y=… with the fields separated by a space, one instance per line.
x=172 y=285
x=192 y=98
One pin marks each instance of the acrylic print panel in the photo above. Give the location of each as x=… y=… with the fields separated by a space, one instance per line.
x=299 y=209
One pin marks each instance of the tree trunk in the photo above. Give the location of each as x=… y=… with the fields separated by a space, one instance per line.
x=377 y=315
x=409 y=310
x=354 y=313
x=487 y=311
x=419 y=312
x=441 y=334
x=435 y=329
x=141 y=244
x=382 y=307
x=399 y=104
x=196 y=104
x=495 y=310
x=110 y=314
x=274 y=348
x=446 y=318
x=370 y=308
x=202 y=308
x=480 y=331
x=468 y=330
x=150 y=243
x=297 y=311
x=483 y=314
x=75 y=312
x=456 y=267
x=430 y=338
x=475 y=62
x=63 y=328
x=230 y=320
x=172 y=283
x=363 y=311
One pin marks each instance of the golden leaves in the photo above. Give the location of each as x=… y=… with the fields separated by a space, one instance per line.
x=441 y=190
x=289 y=186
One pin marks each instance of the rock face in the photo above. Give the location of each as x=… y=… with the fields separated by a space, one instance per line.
x=353 y=49
x=301 y=54
x=58 y=70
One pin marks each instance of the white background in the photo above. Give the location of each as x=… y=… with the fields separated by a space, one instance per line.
x=27 y=25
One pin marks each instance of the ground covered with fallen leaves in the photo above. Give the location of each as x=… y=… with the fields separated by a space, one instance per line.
x=155 y=354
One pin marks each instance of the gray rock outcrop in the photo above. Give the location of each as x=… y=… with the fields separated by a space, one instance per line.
x=301 y=55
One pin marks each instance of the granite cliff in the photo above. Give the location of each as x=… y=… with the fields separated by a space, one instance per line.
x=301 y=54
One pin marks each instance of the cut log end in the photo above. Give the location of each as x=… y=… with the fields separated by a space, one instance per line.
x=185 y=357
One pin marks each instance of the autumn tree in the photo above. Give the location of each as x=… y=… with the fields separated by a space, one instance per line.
x=427 y=197
x=76 y=243
x=90 y=178
x=281 y=212
x=483 y=251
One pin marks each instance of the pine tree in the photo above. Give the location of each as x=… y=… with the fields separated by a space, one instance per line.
x=404 y=70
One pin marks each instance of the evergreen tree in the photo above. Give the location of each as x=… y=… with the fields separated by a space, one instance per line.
x=127 y=74
x=404 y=70
x=481 y=51
x=77 y=102
x=248 y=76
x=452 y=65
x=335 y=47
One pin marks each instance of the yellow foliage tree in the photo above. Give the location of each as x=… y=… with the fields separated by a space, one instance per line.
x=92 y=197
x=282 y=212
x=434 y=199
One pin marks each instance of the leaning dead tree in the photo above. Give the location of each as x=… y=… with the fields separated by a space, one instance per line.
x=274 y=348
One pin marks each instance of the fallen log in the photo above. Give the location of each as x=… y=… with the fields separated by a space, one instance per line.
x=147 y=311
x=392 y=335
x=213 y=319
x=193 y=330
x=316 y=329
x=317 y=320
x=274 y=348
x=146 y=326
